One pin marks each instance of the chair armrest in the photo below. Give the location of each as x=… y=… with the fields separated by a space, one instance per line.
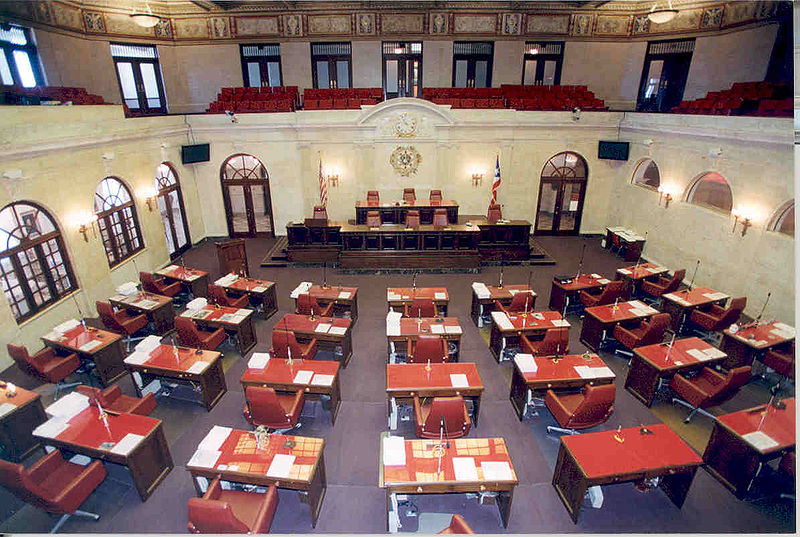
x=45 y=466
x=297 y=404
x=149 y=400
x=214 y=490
x=713 y=377
x=326 y=309
x=266 y=512
x=406 y=307
x=112 y=393
x=706 y=316
x=419 y=420
x=499 y=307
x=409 y=347
x=309 y=348
x=688 y=390
x=556 y=407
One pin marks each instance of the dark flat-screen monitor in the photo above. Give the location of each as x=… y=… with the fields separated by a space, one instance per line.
x=613 y=150
x=195 y=153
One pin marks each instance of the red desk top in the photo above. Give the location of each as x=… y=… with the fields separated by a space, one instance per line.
x=422 y=461
x=644 y=270
x=777 y=424
x=600 y=455
x=407 y=294
x=529 y=322
x=607 y=313
x=163 y=357
x=22 y=397
x=304 y=324
x=247 y=284
x=423 y=203
x=238 y=454
x=411 y=327
x=584 y=281
x=549 y=369
x=214 y=312
x=278 y=370
x=415 y=376
x=661 y=357
x=761 y=335
x=505 y=293
x=180 y=273
x=86 y=429
x=139 y=300
x=332 y=292
x=695 y=297
x=75 y=338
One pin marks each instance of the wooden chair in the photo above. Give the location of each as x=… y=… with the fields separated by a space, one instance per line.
x=577 y=411
x=232 y=511
x=451 y=412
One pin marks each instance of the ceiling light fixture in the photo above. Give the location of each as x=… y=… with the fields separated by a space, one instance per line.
x=660 y=16
x=145 y=20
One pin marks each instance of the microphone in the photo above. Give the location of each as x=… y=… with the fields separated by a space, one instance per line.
x=769 y=294
x=641 y=252
x=500 y=285
x=691 y=283
x=443 y=432
x=325 y=275
x=580 y=262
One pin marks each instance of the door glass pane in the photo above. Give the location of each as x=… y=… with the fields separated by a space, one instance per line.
x=238 y=209
x=253 y=74
x=260 y=209
x=530 y=72
x=5 y=71
x=342 y=74
x=547 y=206
x=569 y=206
x=24 y=68
x=461 y=74
x=177 y=218
x=323 y=79
x=150 y=85
x=549 y=73
x=274 y=73
x=125 y=70
x=653 y=78
x=481 y=73
x=412 y=73
x=162 y=209
x=391 y=76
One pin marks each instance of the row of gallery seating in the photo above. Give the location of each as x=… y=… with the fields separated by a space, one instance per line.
x=265 y=99
x=17 y=95
x=517 y=96
x=743 y=99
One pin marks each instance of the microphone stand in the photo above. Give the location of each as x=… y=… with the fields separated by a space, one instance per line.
x=691 y=283
x=325 y=275
x=530 y=274
x=580 y=262
x=760 y=313
x=639 y=259
x=500 y=284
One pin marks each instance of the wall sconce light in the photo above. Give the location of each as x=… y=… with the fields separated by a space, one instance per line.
x=149 y=194
x=664 y=193
x=477 y=177
x=745 y=219
x=333 y=177
x=84 y=222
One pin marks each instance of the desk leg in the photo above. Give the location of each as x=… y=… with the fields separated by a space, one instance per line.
x=246 y=335
x=676 y=312
x=496 y=343
x=164 y=318
x=476 y=409
x=592 y=332
x=739 y=354
x=569 y=482
x=504 y=505
x=150 y=463
x=269 y=302
x=109 y=362
x=730 y=460
x=642 y=380
x=347 y=347
x=676 y=486
x=316 y=491
x=336 y=400
x=519 y=393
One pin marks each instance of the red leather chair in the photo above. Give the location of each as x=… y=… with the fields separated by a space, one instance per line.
x=576 y=411
x=451 y=409
x=54 y=485
x=283 y=340
x=494 y=213
x=373 y=219
x=520 y=302
x=158 y=286
x=420 y=307
x=709 y=388
x=555 y=341
x=263 y=406
x=646 y=332
x=440 y=217
x=113 y=399
x=412 y=219
x=409 y=194
x=427 y=348
x=190 y=335
x=717 y=318
x=306 y=302
x=457 y=525
x=781 y=360
x=121 y=322
x=320 y=212
x=220 y=296
x=232 y=511
x=46 y=365
x=436 y=195
x=372 y=196
x=611 y=292
x=663 y=285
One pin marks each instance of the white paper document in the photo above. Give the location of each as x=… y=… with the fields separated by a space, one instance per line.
x=301 y=289
x=148 y=344
x=459 y=380
x=783 y=334
x=603 y=281
x=68 y=406
x=784 y=327
x=677 y=299
x=560 y=323
x=51 y=428
x=204 y=458
x=624 y=271
x=392 y=297
x=464 y=468
x=127 y=444
x=437 y=328
x=281 y=465
x=90 y=345
x=258 y=360
x=322 y=328
x=638 y=305
x=587 y=372
x=452 y=329
x=714 y=352
x=303 y=377
x=596 y=276
x=394 y=451
x=497 y=471
x=759 y=440
x=7 y=408
x=481 y=291
x=198 y=367
x=698 y=354
x=322 y=380
x=653 y=270
x=215 y=437
x=259 y=289
x=502 y=320
x=715 y=296
x=440 y=296
x=344 y=295
x=526 y=363
x=602 y=372
x=66 y=326
x=338 y=330
x=197 y=304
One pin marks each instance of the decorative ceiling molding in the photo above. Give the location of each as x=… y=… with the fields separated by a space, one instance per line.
x=184 y=21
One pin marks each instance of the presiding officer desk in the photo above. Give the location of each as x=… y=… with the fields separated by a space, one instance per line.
x=394 y=212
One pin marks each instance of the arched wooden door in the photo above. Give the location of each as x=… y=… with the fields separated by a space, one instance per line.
x=245 y=192
x=561 y=192
x=173 y=212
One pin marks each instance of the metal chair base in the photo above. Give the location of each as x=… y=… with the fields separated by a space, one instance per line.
x=77 y=512
x=695 y=410
x=551 y=429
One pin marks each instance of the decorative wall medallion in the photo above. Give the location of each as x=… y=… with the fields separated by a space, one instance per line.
x=366 y=24
x=641 y=24
x=219 y=27
x=512 y=23
x=292 y=25
x=405 y=160
x=406 y=126
x=163 y=28
x=439 y=23
x=712 y=17
x=94 y=22
x=581 y=24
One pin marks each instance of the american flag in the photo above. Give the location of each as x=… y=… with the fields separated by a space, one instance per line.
x=323 y=185
x=496 y=183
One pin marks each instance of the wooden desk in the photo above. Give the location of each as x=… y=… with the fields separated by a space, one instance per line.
x=590 y=459
x=313 y=244
x=732 y=459
x=504 y=295
x=19 y=415
x=419 y=473
x=447 y=328
x=261 y=293
x=748 y=343
x=279 y=375
x=222 y=316
x=394 y=212
x=505 y=328
x=345 y=299
x=193 y=280
x=563 y=294
x=403 y=381
x=159 y=309
x=149 y=461
x=162 y=362
x=633 y=276
x=600 y=321
x=99 y=346
x=398 y=297
x=304 y=327
x=632 y=244
x=681 y=303
x=241 y=461
x=652 y=363
x=503 y=240
x=554 y=374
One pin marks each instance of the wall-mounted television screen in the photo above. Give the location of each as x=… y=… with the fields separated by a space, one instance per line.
x=195 y=153
x=613 y=150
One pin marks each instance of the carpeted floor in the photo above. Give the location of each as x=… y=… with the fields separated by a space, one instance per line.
x=353 y=502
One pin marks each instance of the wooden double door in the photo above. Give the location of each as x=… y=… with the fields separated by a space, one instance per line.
x=248 y=209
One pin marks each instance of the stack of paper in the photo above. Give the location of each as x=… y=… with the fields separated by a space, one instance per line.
x=303 y=377
x=6 y=408
x=677 y=299
x=624 y=271
x=68 y=406
x=148 y=344
x=226 y=280
x=481 y=291
x=214 y=439
x=322 y=380
x=655 y=269
x=437 y=328
x=596 y=276
x=90 y=345
x=339 y=330
x=198 y=367
x=440 y=296
x=204 y=458
x=714 y=352
x=459 y=380
x=559 y=323
x=127 y=444
x=170 y=268
x=393 y=323
x=502 y=320
x=322 y=328
x=394 y=451
x=301 y=289
x=281 y=466
x=452 y=329
x=464 y=469
x=603 y=281
x=197 y=304
x=698 y=355
x=391 y=296
x=783 y=331
x=147 y=304
x=344 y=295
x=760 y=440
x=587 y=372
x=715 y=296
x=127 y=288
x=526 y=363
x=51 y=428
x=497 y=471
x=258 y=360
x=259 y=289
x=137 y=358
x=66 y=326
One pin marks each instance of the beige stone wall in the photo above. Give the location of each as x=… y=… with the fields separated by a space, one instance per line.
x=296 y=64
x=198 y=73
x=507 y=63
x=367 y=64
x=437 y=64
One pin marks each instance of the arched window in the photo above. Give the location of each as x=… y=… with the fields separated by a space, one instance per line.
x=783 y=222
x=246 y=195
x=34 y=266
x=562 y=189
x=565 y=165
x=646 y=174
x=711 y=190
x=117 y=220
x=170 y=205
